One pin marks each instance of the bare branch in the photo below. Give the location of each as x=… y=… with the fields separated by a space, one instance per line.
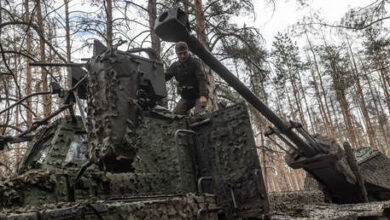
x=137 y=5
x=346 y=27
x=24 y=105
x=11 y=126
x=2 y=25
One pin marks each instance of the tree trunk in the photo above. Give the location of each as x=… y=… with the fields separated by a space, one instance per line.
x=320 y=103
x=262 y=126
x=292 y=109
x=200 y=28
x=384 y=84
x=41 y=29
x=297 y=98
x=109 y=22
x=294 y=178
x=156 y=43
x=383 y=116
x=382 y=123
x=336 y=118
x=273 y=186
x=264 y=168
x=68 y=46
x=367 y=120
x=306 y=103
x=347 y=117
x=333 y=131
x=17 y=108
x=382 y=74
x=341 y=98
x=28 y=67
x=152 y=11
x=318 y=126
x=7 y=103
x=327 y=114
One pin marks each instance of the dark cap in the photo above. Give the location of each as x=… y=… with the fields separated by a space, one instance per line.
x=181 y=46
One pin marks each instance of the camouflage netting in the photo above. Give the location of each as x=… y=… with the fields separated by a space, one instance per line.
x=39 y=144
x=217 y=151
x=163 y=164
x=310 y=205
x=15 y=191
x=164 y=208
x=113 y=115
x=295 y=205
x=238 y=181
x=42 y=186
x=292 y=202
x=374 y=166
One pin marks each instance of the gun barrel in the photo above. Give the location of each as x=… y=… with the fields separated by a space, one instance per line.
x=171 y=27
x=197 y=48
x=59 y=64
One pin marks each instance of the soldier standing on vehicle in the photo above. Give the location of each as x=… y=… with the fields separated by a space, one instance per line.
x=192 y=81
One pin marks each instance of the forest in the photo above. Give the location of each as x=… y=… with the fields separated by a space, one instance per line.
x=333 y=78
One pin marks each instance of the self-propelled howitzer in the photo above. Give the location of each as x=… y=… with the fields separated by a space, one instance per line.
x=336 y=169
x=138 y=159
x=133 y=159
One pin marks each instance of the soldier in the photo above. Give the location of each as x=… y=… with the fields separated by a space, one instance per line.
x=192 y=82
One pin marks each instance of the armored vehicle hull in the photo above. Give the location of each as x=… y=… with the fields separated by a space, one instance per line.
x=183 y=168
x=297 y=205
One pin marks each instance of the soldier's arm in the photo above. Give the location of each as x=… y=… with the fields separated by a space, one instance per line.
x=202 y=79
x=169 y=73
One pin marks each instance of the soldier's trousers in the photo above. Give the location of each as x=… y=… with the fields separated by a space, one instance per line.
x=184 y=106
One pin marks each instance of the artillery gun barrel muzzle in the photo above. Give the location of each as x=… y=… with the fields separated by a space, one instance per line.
x=173 y=25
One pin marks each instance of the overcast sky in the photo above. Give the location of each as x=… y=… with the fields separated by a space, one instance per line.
x=288 y=12
x=271 y=19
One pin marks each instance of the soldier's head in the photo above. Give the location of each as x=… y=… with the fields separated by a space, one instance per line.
x=182 y=51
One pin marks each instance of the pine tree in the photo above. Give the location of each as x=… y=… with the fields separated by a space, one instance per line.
x=288 y=66
x=336 y=65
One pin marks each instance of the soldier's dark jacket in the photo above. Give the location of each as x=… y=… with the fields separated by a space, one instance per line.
x=190 y=76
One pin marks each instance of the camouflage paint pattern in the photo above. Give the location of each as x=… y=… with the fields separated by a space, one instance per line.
x=113 y=115
x=236 y=171
x=310 y=205
x=121 y=86
x=374 y=167
x=162 y=166
x=164 y=208
x=50 y=145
